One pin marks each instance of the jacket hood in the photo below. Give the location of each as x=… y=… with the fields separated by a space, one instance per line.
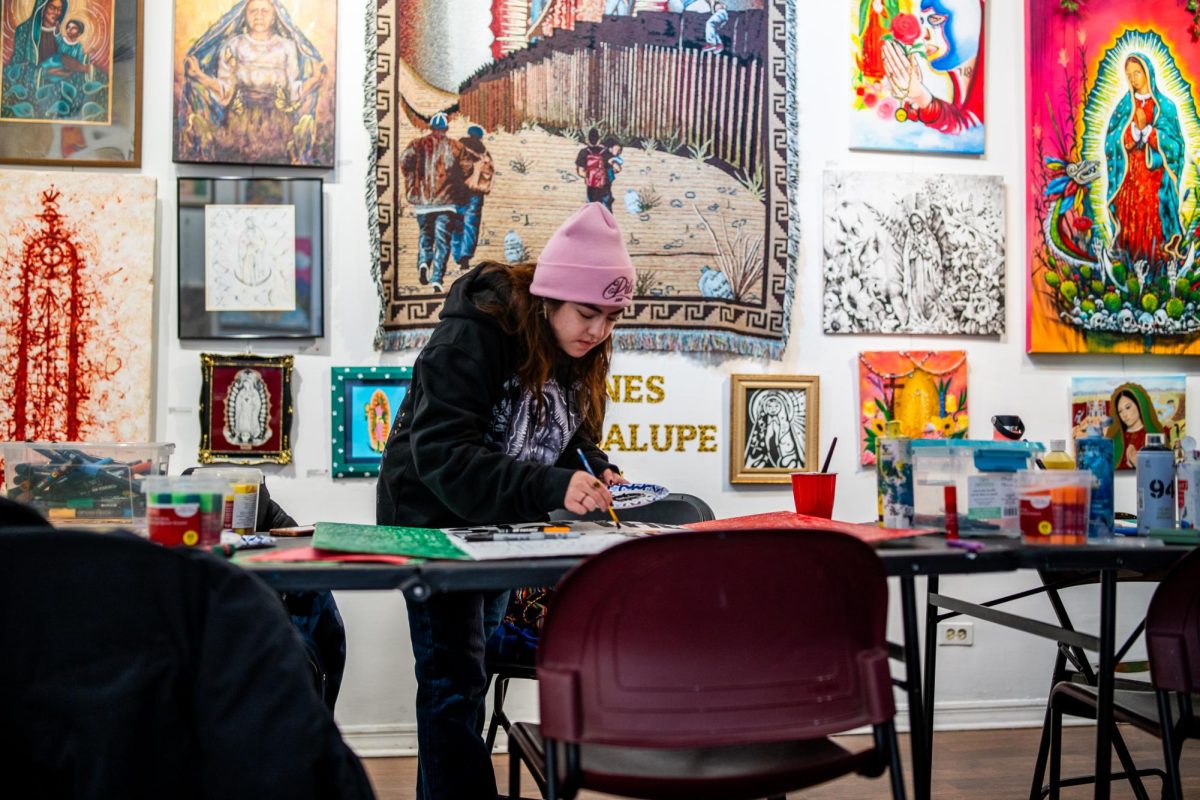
x=475 y=288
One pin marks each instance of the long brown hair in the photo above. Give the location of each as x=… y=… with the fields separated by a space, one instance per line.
x=525 y=317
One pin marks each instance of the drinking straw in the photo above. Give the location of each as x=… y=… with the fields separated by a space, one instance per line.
x=829 y=455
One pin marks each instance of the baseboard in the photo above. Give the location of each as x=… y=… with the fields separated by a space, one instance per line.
x=386 y=741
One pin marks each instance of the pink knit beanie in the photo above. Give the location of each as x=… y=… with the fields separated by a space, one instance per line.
x=585 y=261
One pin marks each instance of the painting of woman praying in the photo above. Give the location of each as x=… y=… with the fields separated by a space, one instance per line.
x=257 y=85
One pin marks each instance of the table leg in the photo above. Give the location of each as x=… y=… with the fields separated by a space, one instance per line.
x=918 y=734
x=931 y=642
x=1106 y=681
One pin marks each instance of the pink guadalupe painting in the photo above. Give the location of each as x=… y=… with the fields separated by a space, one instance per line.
x=925 y=390
x=76 y=306
x=1113 y=206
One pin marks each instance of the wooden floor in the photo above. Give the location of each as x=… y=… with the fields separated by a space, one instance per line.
x=968 y=765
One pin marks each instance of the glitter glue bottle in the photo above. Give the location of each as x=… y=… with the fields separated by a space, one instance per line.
x=1094 y=452
x=1155 y=485
x=894 y=477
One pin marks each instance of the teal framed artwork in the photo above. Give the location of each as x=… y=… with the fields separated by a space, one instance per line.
x=364 y=403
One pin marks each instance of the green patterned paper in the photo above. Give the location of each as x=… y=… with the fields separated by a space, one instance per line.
x=396 y=541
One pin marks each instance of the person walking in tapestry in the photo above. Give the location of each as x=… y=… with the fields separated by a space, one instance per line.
x=432 y=166
x=712 y=35
x=592 y=164
x=477 y=173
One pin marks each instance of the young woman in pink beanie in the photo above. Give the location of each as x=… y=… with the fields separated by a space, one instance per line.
x=511 y=383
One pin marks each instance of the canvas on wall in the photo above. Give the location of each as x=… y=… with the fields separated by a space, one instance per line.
x=664 y=114
x=913 y=254
x=1112 y=207
x=926 y=391
x=917 y=79
x=250 y=258
x=76 y=306
x=364 y=403
x=1128 y=408
x=255 y=81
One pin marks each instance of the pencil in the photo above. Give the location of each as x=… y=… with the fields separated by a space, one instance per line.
x=588 y=467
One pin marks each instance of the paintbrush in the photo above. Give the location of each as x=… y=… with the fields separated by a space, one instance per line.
x=591 y=472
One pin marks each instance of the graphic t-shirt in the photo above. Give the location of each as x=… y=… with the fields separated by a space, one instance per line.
x=516 y=432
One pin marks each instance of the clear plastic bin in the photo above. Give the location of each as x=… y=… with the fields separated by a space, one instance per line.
x=84 y=483
x=983 y=474
x=1054 y=505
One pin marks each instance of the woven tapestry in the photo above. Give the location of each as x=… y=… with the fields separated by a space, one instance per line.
x=495 y=120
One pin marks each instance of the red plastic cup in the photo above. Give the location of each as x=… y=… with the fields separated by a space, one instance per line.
x=813 y=493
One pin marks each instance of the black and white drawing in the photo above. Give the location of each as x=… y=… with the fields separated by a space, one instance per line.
x=248 y=410
x=250 y=254
x=913 y=253
x=773 y=427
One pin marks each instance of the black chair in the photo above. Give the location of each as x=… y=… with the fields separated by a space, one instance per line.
x=131 y=670
x=674 y=509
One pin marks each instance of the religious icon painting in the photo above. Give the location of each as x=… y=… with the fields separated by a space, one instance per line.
x=76 y=306
x=1126 y=409
x=913 y=254
x=255 y=81
x=917 y=79
x=70 y=82
x=364 y=403
x=1113 y=206
x=774 y=427
x=246 y=409
x=926 y=391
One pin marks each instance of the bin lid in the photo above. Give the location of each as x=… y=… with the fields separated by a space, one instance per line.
x=989 y=455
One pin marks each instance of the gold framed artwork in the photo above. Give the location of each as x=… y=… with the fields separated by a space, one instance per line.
x=774 y=420
x=246 y=409
x=71 y=82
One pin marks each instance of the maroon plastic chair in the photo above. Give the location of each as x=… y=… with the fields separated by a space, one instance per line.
x=1173 y=649
x=712 y=665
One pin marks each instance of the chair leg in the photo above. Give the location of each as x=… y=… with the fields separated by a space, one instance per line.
x=1131 y=770
x=1055 y=751
x=1173 y=788
x=498 y=715
x=1039 y=766
x=514 y=770
x=551 y=769
x=895 y=771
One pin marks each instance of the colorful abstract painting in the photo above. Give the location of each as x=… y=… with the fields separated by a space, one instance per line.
x=1128 y=408
x=926 y=391
x=495 y=120
x=255 y=81
x=76 y=306
x=918 y=75
x=1112 y=205
x=911 y=253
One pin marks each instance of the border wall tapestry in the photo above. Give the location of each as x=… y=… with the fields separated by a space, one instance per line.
x=917 y=78
x=494 y=120
x=1126 y=410
x=925 y=390
x=76 y=306
x=1113 y=207
x=913 y=253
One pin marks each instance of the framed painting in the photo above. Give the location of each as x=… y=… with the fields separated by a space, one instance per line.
x=250 y=258
x=773 y=427
x=71 y=82
x=245 y=409
x=926 y=391
x=364 y=403
x=1126 y=410
x=279 y=113
x=1113 y=204
x=918 y=75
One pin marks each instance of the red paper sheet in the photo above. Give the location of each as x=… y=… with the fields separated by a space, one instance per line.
x=790 y=520
x=313 y=554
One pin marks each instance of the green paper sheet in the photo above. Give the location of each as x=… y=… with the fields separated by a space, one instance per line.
x=399 y=541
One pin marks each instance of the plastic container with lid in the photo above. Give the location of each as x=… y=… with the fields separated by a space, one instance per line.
x=241 y=496
x=983 y=472
x=1054 y=505
x=185 y=510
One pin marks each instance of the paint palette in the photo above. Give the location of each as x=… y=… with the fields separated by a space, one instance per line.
x=633 y=495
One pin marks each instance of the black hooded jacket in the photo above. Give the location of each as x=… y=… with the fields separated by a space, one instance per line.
x=439 y=469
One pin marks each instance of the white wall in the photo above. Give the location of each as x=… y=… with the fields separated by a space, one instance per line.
x=981 y=685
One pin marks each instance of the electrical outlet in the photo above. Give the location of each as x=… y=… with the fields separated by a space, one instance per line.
x=960 y=634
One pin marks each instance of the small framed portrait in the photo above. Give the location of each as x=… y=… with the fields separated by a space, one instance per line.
x=246 y=409
x=364 y=404
x=773 y=427
x=71 y=82
x=251 y=254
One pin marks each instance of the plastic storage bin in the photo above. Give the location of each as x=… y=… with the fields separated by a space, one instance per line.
x=983 y=472
x=82 y=483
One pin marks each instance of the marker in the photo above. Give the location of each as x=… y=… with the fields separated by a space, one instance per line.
x=965 y=544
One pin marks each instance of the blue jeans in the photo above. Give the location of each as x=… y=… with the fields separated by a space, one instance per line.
x=449 y=632
x=433 y=245
x=466 y=232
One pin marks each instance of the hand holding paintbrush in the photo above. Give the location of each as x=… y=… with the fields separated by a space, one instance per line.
x=592 y=472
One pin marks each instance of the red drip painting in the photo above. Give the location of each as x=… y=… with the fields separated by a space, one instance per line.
x=49 y=382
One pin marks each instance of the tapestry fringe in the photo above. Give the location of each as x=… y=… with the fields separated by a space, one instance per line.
x=402 y=340
x=371 y=120
x=708 y=342
x=792 y=167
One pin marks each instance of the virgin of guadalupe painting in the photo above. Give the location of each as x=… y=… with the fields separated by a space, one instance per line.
x=917 y=78
x=255 y=86
x=1113 y=141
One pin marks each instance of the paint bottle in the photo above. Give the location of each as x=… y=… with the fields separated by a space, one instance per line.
x=1058 y=457
x=1094 y=452
x=1155 y=485
x=894 y=477
x=1187 y=485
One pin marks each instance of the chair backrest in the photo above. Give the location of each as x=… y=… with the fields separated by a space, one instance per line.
x=712 y=639
x=1173 y=628
x=130 y=670
x=674 y=509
